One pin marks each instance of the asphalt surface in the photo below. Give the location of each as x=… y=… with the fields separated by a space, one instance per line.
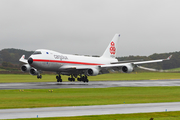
x=91 y=84
x=88 y=110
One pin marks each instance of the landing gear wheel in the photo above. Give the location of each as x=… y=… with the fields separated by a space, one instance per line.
x=79 y=79
x=39 y=76
x=59 y=78
x=83 y=79
x=71 y=79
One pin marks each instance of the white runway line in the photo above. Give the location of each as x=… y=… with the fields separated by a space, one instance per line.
x=88 y=110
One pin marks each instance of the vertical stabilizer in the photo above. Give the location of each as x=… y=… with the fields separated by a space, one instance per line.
x=111 y=50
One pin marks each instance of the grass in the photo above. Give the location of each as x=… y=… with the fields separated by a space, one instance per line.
x=32 y=98
x=175 y=69
x=93 y=96
x=138 y=116
x=3 y=69
x=6 y=78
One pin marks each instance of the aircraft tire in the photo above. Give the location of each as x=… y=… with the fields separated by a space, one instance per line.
x=39 y=76
x=57 y=77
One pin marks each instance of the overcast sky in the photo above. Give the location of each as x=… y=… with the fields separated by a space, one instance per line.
x=87 y=26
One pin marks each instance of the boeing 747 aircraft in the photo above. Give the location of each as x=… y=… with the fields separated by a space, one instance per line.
x=78 y=66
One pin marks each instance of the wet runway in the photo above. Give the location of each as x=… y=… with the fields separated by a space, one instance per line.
x=91 y=84
x=88 y=110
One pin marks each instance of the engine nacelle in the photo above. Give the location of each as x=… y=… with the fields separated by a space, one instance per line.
x=33 y=71
x=26 y=68
x=92 y=72
x=128 y=68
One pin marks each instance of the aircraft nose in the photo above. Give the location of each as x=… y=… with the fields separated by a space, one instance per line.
x=30 y=61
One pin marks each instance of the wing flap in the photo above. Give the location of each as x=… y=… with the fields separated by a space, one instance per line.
x=113 y=65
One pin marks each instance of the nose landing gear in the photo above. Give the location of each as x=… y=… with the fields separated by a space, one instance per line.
x=39 y=76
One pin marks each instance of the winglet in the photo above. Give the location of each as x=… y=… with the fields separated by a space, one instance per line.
x=169 y=57
x=22 y=59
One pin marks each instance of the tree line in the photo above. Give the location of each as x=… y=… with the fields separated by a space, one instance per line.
x=10 y=58
x=174 y=62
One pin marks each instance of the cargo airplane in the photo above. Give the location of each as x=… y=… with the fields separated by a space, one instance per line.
x=76 y=66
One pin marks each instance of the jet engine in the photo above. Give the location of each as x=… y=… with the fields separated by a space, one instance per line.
x=128 y=68
x=92 y=72
x=33 y=71
x=26 y=68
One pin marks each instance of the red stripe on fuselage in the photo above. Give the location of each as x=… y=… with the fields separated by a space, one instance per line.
x=70 y=62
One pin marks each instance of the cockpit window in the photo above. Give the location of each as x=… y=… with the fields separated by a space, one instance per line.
x=37 y=52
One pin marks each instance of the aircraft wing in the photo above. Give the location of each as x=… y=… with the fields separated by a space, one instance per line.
x=134 y=63
x=126 y=61
x=152 y=61
x=113 y=65
x=23 y=60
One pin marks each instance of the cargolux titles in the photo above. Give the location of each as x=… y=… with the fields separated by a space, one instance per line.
x=60 y=57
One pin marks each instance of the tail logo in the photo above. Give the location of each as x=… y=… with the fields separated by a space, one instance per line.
x=112 y=48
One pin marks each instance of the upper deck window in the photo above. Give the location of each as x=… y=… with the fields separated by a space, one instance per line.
x=37 y=52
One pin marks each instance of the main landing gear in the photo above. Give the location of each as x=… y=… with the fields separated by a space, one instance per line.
x=81 y=78
x=58 y=77
x=72 y=78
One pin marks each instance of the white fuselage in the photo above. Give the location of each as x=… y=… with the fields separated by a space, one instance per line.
x=48 y=60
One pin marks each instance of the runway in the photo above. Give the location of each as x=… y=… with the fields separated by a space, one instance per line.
x=88 y=110
x=91 y=84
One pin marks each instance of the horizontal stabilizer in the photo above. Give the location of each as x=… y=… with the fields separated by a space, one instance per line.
x=23 y=60
x=150 y=69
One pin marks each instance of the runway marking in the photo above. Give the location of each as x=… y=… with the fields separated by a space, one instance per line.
x=88 y=110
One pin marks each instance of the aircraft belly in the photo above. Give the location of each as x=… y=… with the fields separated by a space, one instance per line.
x=68 y=69
x=47 y=66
